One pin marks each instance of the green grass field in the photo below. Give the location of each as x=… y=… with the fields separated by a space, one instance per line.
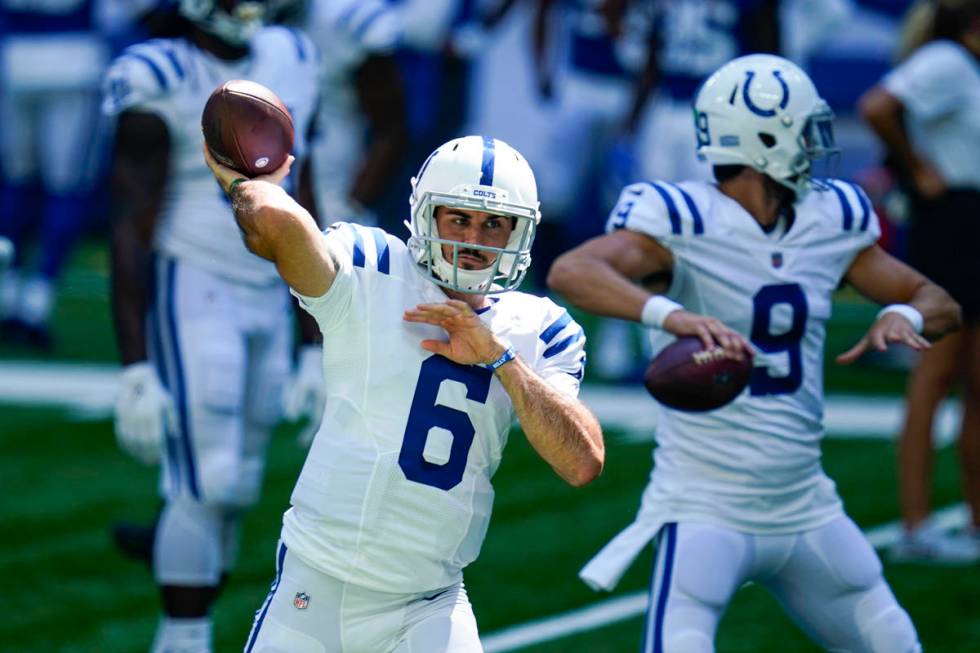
x=64 y=589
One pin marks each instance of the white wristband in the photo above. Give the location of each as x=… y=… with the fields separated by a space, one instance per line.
x=910 y=313
x=656 y=310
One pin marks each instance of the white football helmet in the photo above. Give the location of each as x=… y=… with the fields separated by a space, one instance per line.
x=764 y=112
x=233 y=21
x=477 y=173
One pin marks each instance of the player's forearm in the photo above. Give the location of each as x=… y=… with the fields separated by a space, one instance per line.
x=592 y=285
x=940 y=312
x=267 y=217
x=128 y=266
x=561 y=429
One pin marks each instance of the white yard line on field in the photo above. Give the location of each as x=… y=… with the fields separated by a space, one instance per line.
x=620 y=608
x=89 y=390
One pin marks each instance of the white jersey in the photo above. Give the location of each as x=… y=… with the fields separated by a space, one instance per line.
x=754 y=464
x=173 y=79
x=939 y=85
x=395 y=494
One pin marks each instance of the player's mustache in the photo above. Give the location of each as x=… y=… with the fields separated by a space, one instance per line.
x=475 y=253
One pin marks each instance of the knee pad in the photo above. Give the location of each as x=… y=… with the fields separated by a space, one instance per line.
x=188 y=548
x=885 y=626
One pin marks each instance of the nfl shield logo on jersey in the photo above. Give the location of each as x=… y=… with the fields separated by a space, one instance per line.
x=777 y=259
x=301 y=600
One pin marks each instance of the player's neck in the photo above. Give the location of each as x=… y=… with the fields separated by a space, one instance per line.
x=476 y=302
x=761 y=198
x=217 y=47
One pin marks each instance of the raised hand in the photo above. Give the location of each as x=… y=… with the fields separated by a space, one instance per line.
x=470 y=341
x=889 y=328
x=226 y=176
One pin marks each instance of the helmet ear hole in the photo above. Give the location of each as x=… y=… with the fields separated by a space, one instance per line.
x=767 y=139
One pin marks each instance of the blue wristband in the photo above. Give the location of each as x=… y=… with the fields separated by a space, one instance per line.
x=508 y=355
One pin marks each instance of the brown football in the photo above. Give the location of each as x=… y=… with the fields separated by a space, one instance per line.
x=686 y=377
x=247 y=127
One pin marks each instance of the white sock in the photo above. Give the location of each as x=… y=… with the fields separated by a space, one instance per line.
x=183 y=636
x=36 y=301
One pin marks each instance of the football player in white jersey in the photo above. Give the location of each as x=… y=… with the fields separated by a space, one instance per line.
x=738 y=494
x=203 y=325
x=429 y=354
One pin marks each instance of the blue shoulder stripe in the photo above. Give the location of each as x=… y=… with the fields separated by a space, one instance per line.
x=298 y=42
x=381 y=246
x=366 y=22
x=693 y=208
x=848 y=222
x=549 y=334
x=161 y=78
x=169 y=51
x=562 y=345
x=358 y=246
x=865 y=205
x=675 y=216
x=347 y=15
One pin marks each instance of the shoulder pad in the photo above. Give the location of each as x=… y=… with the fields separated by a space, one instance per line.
x=657 y=208
x=280 y=39
x=142 y=73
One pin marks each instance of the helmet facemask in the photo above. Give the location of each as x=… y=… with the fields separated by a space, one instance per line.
x=510 y=263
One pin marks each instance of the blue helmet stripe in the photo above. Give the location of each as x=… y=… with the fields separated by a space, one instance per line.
x=486 y=168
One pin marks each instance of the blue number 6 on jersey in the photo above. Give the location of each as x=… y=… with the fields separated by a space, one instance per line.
x=426 y=414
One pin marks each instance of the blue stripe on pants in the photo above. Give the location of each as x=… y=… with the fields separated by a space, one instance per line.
x=264 y=610
x=653 y=634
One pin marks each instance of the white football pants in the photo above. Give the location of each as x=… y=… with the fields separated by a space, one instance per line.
x=828 y=580
x=308 y=611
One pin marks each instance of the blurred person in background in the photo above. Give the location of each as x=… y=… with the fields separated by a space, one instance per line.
x=927 y=114
x=586 y=55
x=203 y=326
x=738 y=494
x=51 y=59
x=362 y=122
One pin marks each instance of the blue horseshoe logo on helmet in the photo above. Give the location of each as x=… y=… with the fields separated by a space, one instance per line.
x=765 y=113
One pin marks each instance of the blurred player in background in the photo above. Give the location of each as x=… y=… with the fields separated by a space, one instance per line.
x=51 y=58
x=587 y=54
x=689 y=40
x=203 y=326
x=395 y=496
x=927 y=114
x=738 y=494
x=362 y=122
